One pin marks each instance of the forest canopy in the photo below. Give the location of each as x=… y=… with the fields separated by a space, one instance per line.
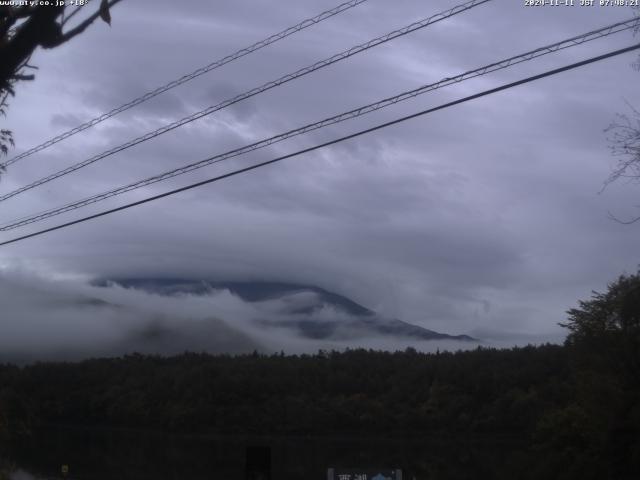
x=577 y=405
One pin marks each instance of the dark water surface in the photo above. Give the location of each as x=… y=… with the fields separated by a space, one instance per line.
x=100 y=454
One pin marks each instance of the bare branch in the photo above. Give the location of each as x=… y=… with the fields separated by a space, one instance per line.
x=19 y=76
x=22 y=11
x=623 y=222
x=70 y=16
x=81 y=27
x=624 y=143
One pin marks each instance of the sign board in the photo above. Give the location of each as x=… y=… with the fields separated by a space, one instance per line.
x=364 y=474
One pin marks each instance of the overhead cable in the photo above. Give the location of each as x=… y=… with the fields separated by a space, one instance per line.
x=363 y=110
x=250 y=93
x=332 y=142
x=188 y=77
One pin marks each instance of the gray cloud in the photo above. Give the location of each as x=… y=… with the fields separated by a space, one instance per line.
x=67 y=319
x=494 y=202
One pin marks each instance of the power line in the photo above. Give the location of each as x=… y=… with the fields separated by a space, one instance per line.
x=577 y=40
x=332 y=142
x=190 y=76
x=254 y=91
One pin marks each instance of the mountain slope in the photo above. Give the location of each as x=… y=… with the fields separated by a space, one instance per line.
x=311 y=311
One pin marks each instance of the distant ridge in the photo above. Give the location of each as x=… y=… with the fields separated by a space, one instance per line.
x=361 y=320
x=247 y=291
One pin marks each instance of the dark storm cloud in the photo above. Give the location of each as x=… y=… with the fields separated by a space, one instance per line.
x=483 y=217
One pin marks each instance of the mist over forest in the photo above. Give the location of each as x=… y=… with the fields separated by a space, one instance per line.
x=295 y=239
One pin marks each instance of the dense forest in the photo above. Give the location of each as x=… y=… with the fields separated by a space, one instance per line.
x=576 y=405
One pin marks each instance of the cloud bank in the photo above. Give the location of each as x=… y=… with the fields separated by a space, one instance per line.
x=483 y=219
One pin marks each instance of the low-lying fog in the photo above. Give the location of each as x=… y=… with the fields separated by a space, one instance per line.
x=69 y=319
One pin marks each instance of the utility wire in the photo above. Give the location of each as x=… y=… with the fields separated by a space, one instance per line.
x=254 y=91
x=577 y=40
x=188 y=77
x=332 y=142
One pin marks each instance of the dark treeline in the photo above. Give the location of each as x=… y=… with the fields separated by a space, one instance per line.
x=577 y=406
x=352 y=392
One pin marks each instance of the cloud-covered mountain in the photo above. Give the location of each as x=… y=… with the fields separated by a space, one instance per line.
x=306 y=310
x=47 y=318
x=480 y=219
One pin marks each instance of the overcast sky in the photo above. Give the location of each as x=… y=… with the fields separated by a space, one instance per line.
x=484 y=218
